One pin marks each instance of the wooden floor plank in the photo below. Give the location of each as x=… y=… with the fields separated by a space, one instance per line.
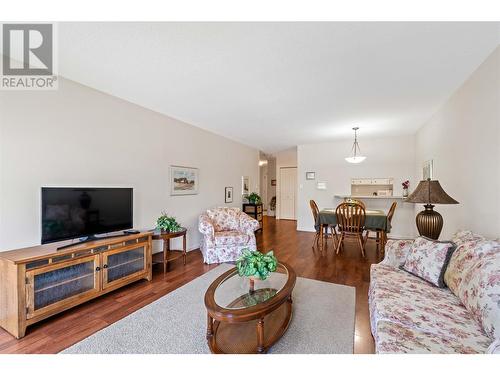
x=289 y=245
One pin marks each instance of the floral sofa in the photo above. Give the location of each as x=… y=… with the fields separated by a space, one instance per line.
x=226 y=232
x=410 y=315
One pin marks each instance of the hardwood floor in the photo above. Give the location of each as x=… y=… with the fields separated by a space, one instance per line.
x=290 y=246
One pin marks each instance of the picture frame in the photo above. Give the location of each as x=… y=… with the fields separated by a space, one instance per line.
x=228 y=194
x=428 y=170
x=310 y=175
x=273 y=182
x=245 y=185
x=183 y=180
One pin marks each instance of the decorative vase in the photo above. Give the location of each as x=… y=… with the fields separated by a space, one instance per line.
x=405 y=193
x=251 y=288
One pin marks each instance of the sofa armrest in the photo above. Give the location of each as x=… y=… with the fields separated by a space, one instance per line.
x=205 y=226
x=396 y=252
x=248 y=225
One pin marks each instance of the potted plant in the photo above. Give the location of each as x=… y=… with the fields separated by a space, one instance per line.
x=255 y=265
x=167 y=224
x=406 y=186
x=254 y=198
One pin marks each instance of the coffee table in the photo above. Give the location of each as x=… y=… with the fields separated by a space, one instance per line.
x=244 y=320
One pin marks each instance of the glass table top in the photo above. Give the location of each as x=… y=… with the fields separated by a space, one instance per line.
x=235 y=292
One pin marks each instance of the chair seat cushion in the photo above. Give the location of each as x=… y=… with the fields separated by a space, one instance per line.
x=224 y=238
x=420 y=311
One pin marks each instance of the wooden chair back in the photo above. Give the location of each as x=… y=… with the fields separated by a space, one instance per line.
x=315 y=211
x=355 y=201
x=350 y=217
x=390 y=214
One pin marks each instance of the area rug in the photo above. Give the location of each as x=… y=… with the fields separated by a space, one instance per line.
x=323 y=322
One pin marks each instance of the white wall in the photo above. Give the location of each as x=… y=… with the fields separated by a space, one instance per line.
x=77 y=136
x=386 y=157
x=285 y=158
x=463 y=139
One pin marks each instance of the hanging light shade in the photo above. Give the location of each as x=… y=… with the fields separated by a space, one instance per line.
x=356 y=151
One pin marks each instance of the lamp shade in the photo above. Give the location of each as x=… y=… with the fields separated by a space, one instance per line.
x=430 y=192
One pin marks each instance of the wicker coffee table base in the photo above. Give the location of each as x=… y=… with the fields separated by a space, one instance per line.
x=250 y=337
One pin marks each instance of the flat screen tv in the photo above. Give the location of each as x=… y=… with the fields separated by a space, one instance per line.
x=69 y=213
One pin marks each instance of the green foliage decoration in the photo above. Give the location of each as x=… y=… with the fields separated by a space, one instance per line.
x=254 y=198
x=255 y=264
x=167 y=223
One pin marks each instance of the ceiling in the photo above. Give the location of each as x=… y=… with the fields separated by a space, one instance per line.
x=277 y=85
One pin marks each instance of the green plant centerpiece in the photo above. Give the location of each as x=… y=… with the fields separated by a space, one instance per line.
x=167 y=223
x=255 y=265
x=254 y=198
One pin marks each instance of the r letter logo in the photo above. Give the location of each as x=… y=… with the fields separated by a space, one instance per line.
x=28 y=57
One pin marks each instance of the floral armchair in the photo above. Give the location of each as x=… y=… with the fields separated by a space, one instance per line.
x=226 y=232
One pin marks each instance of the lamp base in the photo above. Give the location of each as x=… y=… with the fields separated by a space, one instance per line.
x=429 y=222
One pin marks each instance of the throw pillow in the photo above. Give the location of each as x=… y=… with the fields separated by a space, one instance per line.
x=428 y=260
x=465 y=256
x=480 y=290
x=396 y=252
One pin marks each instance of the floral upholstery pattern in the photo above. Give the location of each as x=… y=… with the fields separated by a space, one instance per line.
x=225 y=238
x=396 y=252
x=410 y=315
x=462 y=259
x=480 y=289
x=226 y=232
x=428 y=259
x=393 y=338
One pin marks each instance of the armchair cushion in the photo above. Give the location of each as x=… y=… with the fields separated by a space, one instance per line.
x=225 y=218
x=225 y=238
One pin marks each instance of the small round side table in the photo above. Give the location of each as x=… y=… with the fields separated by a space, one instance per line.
x=169 y=255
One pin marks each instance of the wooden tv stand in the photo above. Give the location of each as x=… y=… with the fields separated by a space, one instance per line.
x=40 y=281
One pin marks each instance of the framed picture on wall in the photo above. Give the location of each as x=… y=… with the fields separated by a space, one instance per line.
x=310 y=175
x=183 y=180
x=428 y=170
x=245 y=185
x=273 y=182
x=229 y=194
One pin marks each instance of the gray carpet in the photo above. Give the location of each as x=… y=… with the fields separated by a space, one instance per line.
x=323 y=322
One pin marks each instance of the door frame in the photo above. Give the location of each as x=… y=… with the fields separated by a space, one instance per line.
x=280 y=184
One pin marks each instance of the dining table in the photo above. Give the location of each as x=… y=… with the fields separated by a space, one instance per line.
x=374 y=220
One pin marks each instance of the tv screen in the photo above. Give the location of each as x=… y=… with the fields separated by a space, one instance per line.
x=69 y=213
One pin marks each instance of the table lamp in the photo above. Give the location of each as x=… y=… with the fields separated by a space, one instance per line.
x=430 y=222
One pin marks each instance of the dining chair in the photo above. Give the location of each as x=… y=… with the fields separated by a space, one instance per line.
x=351 y=223
x=319 y=227
x=381 y=238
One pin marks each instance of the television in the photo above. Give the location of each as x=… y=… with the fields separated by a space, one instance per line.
x=81 y=212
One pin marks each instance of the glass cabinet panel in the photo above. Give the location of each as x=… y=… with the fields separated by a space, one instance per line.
x=62 y=283
x=125 y=263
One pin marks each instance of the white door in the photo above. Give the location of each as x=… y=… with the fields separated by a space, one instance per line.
x=288 y=187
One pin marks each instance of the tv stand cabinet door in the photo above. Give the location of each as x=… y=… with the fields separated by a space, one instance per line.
x=57 y=287
x=124 y=265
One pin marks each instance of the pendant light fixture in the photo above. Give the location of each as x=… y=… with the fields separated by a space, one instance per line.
x=356 y=151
